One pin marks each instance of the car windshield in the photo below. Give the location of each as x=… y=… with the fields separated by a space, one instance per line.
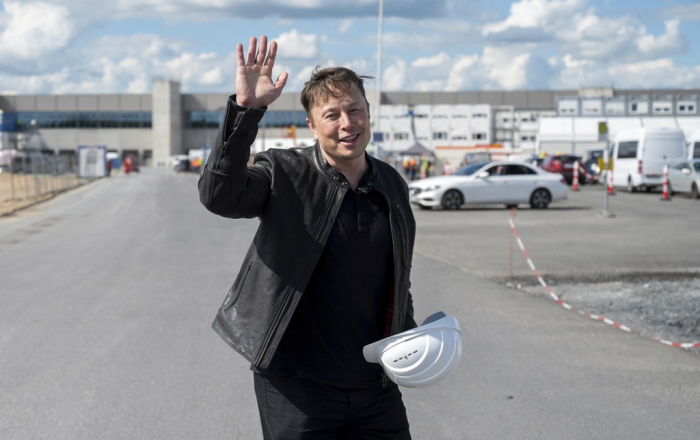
x=469 y=169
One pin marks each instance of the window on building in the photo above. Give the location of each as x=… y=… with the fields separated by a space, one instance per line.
x=459 y=137
x=400 y=136
x=686 y=108
x=438 y=135
x=662 y=108
x=50 y=120
x=478 y=136
x=479 y=115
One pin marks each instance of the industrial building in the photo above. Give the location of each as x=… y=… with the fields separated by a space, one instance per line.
x=156 y=126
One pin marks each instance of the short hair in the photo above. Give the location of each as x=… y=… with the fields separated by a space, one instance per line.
x=329 y=82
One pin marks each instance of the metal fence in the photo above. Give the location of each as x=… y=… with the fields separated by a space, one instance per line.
x=30 y=174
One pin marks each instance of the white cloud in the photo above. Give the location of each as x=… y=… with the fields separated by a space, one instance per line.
x=658 y=73
x=394 y=76
x=539 y=44
x=292 y=44
x=583 y=32
x=437 y=60
x=345 y=25
x=669 y=43
x=535 y=14
x=465 y=73
x=34 y=30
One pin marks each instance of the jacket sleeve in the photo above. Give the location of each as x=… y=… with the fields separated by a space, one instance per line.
x=228 y=186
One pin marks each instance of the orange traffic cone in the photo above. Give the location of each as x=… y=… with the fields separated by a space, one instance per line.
x=665 y=197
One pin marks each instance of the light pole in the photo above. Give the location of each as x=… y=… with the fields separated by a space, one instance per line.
x=378 y=98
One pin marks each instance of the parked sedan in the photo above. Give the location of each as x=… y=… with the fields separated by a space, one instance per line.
x=684 y=176
x=564 y=164
x=510 y=183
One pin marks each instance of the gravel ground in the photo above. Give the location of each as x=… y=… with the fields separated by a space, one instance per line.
x=665 y=306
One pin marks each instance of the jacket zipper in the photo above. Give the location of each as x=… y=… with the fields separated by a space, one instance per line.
x=266 y=344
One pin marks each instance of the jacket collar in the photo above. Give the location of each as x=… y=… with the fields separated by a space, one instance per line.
x=369 y=180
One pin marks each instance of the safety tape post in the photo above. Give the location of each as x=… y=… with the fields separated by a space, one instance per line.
x=581 y=312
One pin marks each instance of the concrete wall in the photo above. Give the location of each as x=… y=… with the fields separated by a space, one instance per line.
x=113 y=138
x=167 y=120
x=69 y=103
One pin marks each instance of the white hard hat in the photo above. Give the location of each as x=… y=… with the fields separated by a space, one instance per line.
x=420 y=356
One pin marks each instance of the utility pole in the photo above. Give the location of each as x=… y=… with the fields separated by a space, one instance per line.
x=378 y=98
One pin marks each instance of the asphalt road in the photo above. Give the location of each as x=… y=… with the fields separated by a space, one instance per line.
x=108 y=292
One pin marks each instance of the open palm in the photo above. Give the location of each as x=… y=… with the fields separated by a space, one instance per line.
x=254 y=85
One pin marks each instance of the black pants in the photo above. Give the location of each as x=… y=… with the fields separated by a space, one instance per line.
x=299 y=409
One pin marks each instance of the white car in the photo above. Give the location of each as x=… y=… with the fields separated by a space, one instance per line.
x=510 y=183
x=684 y=176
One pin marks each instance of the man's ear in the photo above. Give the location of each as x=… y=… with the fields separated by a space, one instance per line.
x=310 y=123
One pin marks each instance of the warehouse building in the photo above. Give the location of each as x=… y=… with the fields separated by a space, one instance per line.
x=156 y=126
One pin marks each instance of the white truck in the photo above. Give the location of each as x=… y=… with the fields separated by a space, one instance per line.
x=639 y=156
x=694 y=145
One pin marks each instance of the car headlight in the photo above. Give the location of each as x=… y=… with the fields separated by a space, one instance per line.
x=432 y=188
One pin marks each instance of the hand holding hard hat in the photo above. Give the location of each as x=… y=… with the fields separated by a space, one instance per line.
x=421 y=356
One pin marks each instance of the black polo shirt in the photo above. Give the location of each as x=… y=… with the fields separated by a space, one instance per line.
x=344 y=305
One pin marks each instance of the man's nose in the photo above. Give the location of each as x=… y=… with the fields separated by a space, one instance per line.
x=345 y=120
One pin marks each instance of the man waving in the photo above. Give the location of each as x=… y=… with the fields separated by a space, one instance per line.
x=328 y=270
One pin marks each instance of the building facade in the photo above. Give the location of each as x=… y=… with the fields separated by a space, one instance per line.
x=167 y=122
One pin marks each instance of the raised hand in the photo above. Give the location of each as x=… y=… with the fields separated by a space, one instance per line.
x=254 y=86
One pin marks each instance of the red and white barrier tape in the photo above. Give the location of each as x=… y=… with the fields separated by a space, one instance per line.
x=586 y=314
x=582 y=170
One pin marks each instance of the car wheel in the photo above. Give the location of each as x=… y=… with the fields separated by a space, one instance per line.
x=452 y=200
x=694 y=192
x=540 y=199
x=630 y=186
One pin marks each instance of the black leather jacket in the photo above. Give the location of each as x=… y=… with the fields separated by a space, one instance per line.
x=296 y=195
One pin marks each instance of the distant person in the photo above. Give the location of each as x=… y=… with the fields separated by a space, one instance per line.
x=328 y=270
x=412 y=168
x=446 y=168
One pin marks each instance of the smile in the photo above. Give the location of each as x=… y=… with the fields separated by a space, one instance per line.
x=349 y=138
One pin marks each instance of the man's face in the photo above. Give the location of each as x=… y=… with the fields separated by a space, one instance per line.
x=341 y=126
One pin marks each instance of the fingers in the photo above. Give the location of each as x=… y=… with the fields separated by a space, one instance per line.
x=251 y=51
x=262 y=51
x=281 y=80
x=270 y=62
x=257 y=55
x=239 y=55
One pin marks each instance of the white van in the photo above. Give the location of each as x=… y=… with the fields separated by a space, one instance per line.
x=639 y=156
x=694 y=145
